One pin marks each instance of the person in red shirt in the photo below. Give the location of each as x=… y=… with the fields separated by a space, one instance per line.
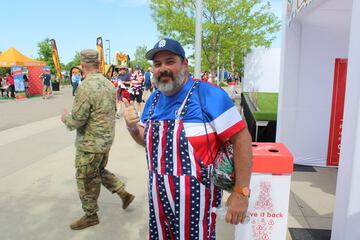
x=3 y=85
x=136 y=90
x=205 y=77
x=10 y=81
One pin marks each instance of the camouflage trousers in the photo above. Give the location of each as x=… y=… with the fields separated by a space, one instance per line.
x=90 y=174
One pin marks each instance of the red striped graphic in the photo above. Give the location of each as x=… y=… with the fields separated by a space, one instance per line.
x=178 y=150
x=163 y=147
x=237 y=127
x=187 y=206
x=162 y=216
x=150 y=152
x=213 y=215
x=171 y=184
x=205 y=220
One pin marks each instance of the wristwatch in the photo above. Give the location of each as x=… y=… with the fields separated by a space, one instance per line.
x=245 y=191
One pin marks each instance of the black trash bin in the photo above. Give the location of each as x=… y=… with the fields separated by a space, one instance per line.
x=55 y=86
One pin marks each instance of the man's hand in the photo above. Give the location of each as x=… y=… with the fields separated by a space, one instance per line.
x=64 y=114
x=237 y=208
x=130 y=115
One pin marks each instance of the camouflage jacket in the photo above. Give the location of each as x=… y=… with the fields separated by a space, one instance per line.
x=93 y=114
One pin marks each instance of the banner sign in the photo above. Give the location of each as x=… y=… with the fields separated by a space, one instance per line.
x=268 y=208
x=56 y=60
x=121 y=58
x=337 y=112
x=16 y=72
x=99 y=46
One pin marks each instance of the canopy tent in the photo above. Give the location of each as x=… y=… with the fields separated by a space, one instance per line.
x=13 y=57
x=319 y=34
x=313 y=40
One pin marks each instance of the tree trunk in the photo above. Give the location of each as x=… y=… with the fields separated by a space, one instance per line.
x=213 y=72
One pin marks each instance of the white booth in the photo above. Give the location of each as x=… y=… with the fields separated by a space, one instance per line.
x=316 y=35
x=313 y=38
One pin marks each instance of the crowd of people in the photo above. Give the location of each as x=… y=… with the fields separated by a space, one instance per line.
x=134 y=85
x=232 y=76
x=183 y=124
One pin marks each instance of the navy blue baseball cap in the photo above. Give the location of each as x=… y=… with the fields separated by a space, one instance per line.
x=166 y=44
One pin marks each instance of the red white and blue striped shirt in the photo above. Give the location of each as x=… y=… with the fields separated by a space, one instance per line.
x=216 y=109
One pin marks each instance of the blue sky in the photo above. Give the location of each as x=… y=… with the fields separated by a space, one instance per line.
x=76 y=24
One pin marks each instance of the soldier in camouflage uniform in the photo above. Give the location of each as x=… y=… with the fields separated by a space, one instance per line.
x=93 y=116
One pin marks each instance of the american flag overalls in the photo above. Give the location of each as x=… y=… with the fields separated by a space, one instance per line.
x=181 y=195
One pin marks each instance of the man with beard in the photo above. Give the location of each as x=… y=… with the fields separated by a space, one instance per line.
x=182 y=127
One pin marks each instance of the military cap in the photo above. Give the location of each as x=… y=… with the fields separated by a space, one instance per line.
x=89 y=55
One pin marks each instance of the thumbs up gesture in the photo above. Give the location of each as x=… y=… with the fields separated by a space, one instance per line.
x=130 y=115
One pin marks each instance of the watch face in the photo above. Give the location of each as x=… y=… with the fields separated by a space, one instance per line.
x=246 y=191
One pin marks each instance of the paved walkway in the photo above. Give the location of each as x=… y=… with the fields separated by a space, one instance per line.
x=38 y=194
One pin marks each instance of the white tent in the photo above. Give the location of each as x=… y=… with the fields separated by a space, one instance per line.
x=311 y=42
x=318 y=34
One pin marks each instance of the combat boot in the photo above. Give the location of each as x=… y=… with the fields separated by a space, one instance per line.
x=84 y=222
x=126 y=198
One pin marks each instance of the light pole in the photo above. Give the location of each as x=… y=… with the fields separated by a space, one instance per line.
x=218 y=68
x=198 y=35
x=106 y=55
x=109 y=50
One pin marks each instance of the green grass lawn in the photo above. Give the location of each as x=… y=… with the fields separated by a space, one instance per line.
x=267 y=105
x=13 y=99
x=6 y=98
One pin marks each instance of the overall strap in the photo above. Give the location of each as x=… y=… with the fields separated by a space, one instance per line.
x=154 y=103
x=180 y=113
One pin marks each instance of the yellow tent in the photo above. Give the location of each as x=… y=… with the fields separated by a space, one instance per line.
x=13 y=57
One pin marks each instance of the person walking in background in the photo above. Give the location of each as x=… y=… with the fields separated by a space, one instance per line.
x=136 y=90
x=147 y=84
x=237 y=78
x=205 y=76
x=46 y=77
x=123 y=85
x=183 y=122
x=26 y=84
x=10 y=82
x=93 y=116
x=75 y=80
x=3 y=85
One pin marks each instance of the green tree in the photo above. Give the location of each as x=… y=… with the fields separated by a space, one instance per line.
x=45 y=53
x=74 y=62
x=139 y=58
x=230 y=28
x=4 y=71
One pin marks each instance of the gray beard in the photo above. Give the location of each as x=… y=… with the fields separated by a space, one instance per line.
x=169 y=87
